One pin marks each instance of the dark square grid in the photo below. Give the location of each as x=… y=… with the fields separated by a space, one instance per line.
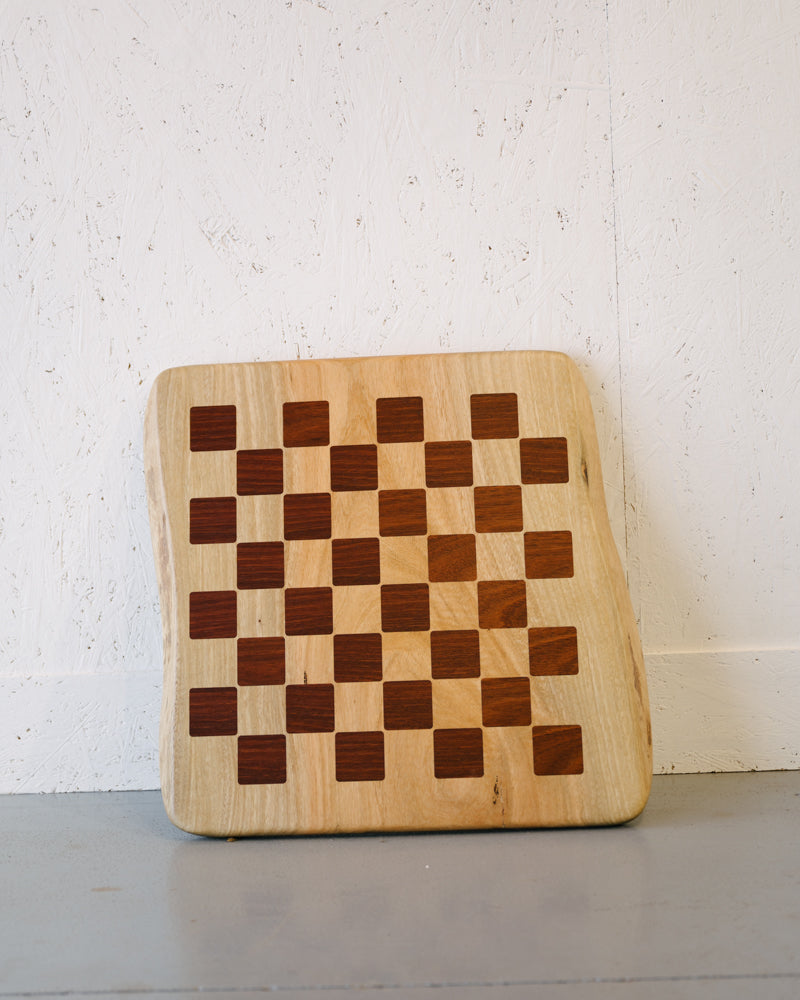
x=306 y=515
x=308 y=610
x=405 y=607
x=212 y=428
x=498 y=508
x=553 y=652
x=259 y=472
x=494 y=415
x=212 y=520
x=359 y=757
x=213 y=711
x=408 y=705
x=402 y=512
x=262 y=760
x=212 y=614
x=452 y=557
x=543 y=460
x=306 y=425
x=448 y=463
x=506 y=701
x=356 y=561
x=309 y=708
x=557 y=750
x=548 y=555
x=357 y=657
x=259 y=565
x=354 y=467
x=399 y=419
x=455 y=653
x=502 y=604
x=261 y=660
x=458 y=753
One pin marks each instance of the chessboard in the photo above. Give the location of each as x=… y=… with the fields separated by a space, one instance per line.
x=390 y=599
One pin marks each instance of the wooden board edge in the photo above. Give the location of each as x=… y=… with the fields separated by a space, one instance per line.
x=591 y=472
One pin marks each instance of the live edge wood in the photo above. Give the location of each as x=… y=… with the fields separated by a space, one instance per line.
x=390 y=599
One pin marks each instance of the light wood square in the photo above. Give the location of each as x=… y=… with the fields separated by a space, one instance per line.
x=406 y=656
x=354 y=514
x=262 y=710
x=501 y=555
x=211 y=474
x=260 y=612
x=404 y=559
x=212 y=567
x=451 y=511
x=401 y=466
x=495 y=462
x=454 y=605
x=357 y=609
x=457 y=703
x=307 y=563
x=211 y=663
x=259 y=519
x=359 y=707
x=310 y=760
x=504 y=652
x=309 y=659
x=306 y=470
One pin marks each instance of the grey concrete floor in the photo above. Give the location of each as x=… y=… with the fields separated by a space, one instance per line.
x=699 y=898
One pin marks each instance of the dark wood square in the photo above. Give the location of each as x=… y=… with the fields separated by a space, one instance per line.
x=408 y=705
x=356 y=561
x=261 y=660
x=359 y=757
x=455 y=653
x=309 y=708
x=553 y=652
x=494 y=415
x=557 y=750
x=452 y=557
x=212 y=614
x=399 y=419
x=543 y=460
x=306 y=425
x=448 y=463
x=357 y=657
x=259 y=472
x=213 y=711
x=498 y=508
x=262 y=760
x=402 y=512
x=405 y=607
x=502 y=604
x=259 y=565
x=354 y=467
x=548 y=554
x=212 y=520
x=212 y=428
x=458 y=753
x=308 y=610
x=306 y=515
x=506 y=701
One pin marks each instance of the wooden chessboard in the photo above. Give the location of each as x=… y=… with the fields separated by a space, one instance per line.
x=390 y=599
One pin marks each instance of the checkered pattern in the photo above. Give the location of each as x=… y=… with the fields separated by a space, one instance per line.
x=385 y=569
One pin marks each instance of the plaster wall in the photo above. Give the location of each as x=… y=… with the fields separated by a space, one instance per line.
x=192 y=182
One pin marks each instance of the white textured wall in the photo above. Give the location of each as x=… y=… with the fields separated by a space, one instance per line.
x=202 y=181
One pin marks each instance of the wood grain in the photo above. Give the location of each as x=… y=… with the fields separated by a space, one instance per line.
x=315 y=695
x=494 y=415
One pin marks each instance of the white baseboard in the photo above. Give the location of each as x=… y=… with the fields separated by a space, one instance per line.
x=725 y=711
x=79 y=732
x=722 y=711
